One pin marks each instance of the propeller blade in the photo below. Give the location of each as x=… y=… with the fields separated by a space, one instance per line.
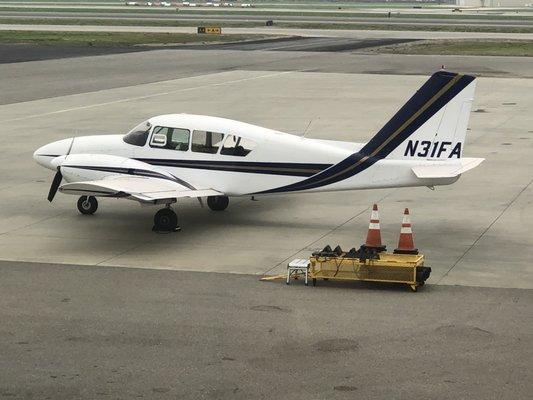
x=55 y=185
x=201 y=202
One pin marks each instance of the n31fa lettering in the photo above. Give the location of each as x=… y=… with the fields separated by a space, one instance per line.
x=431 y=149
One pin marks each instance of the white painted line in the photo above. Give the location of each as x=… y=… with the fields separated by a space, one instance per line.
x=66 y=110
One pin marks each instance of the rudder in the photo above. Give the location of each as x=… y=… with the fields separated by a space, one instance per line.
x=431 y=125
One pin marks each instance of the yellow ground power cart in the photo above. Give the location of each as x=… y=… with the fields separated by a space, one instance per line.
x=373 y=267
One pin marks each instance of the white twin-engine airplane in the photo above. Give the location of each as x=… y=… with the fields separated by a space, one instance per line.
x=179 y=155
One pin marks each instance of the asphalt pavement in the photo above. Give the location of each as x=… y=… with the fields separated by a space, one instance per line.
x=90 y=332
x=85 y=73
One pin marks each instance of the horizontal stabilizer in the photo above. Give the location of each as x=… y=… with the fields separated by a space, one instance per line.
x=446 y=169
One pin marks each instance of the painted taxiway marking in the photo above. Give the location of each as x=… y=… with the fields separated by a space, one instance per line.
x=148 y=96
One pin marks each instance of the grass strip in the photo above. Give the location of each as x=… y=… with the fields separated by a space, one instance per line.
x=522 y=48
x=116 y=38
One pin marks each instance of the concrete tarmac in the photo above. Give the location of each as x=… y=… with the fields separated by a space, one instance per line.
x=474 y=232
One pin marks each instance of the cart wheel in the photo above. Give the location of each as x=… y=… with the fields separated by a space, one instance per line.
x=413 y=288
x=314 y=281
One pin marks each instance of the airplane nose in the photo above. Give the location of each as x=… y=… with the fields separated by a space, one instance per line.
x=44 y=155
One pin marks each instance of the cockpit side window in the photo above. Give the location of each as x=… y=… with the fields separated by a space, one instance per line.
x=206 y=142
x=138 y=135
x=237 y=146
x=170 y=138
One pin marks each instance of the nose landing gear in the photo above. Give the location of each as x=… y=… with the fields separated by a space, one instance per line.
x=87 y=205
x=165 y=220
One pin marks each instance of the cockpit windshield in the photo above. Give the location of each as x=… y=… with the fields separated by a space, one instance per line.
x=138 y=135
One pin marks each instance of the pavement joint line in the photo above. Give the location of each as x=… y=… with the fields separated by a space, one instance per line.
x=134 y=247
x=125 y=100
x=485 y=231
x=6 y=263
x=504 y=123
x=329 y=232
x=31 y=224
x=306 y=130
x=137 y=246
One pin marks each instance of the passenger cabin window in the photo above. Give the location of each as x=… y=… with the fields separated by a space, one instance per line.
x=170 y=138
x=206 y=142
x=237 y=146
x=138 y=135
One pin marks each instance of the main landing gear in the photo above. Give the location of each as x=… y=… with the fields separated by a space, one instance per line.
x=218 y=203
x=165 y=220
x=87 y=205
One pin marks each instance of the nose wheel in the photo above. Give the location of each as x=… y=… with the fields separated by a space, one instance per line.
x=165 y=220
x=87 y=205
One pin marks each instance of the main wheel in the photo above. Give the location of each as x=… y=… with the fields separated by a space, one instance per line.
x=165 y=220
x=218 y=203
x=87 y=205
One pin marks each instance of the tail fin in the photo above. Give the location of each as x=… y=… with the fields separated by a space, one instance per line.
x=431 y=125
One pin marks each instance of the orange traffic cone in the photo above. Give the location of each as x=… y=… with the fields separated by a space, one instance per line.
x=373 y=238
x=406 y=244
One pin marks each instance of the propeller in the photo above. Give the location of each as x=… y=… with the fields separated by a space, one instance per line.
x=58 y=177
x=55 y=184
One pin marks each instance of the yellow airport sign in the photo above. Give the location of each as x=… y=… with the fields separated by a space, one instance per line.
x=217 y=30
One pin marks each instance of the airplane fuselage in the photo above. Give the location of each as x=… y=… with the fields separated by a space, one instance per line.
x=278 y=160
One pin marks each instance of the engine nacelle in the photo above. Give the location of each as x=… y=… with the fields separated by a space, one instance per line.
x=90 y=167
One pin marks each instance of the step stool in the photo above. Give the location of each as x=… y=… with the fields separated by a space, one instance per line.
x=298 y=266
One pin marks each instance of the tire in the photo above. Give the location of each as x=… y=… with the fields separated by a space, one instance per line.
x=218 y=203
x=165 y=220
x=87 y=205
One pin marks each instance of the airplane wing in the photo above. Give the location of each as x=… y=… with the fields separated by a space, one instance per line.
x=140 y=188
